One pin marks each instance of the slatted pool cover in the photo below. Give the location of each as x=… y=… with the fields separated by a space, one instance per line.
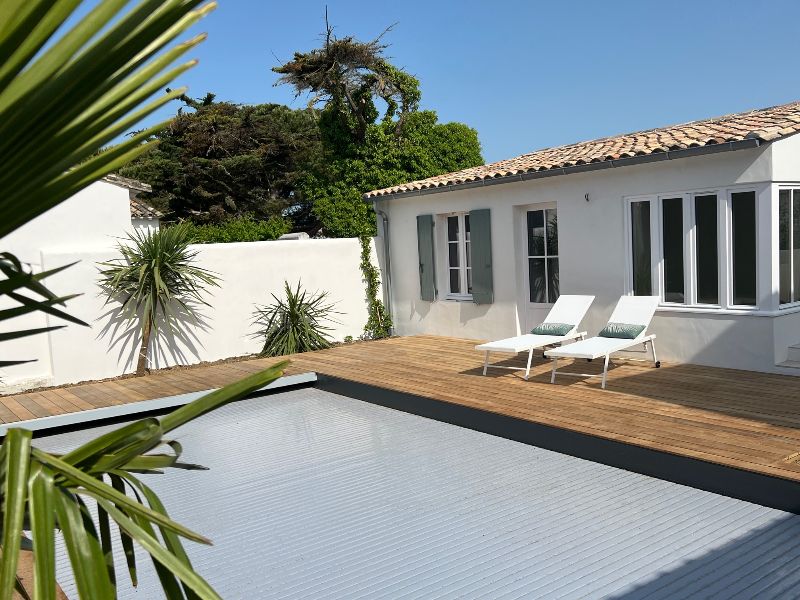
x=314 y=495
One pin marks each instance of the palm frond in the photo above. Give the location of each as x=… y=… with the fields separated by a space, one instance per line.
x=42 y=493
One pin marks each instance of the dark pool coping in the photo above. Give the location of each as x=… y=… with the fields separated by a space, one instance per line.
x=766 y=490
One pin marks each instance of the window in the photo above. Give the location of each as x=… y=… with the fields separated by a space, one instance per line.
x=743 y=241
x=542 y=230
x=706 y=249
x=459 y=268
x=672 y=248
x=640 y=249
x=699 y=249
x=789 y=245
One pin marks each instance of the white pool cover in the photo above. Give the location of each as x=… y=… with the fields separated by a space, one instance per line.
x=314 y=495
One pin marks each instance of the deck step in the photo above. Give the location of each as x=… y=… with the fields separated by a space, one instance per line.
x=792 y=364
x=794 y=353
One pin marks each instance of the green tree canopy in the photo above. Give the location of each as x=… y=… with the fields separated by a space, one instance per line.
x=363 y=150
x=221 y=159
x=426 y=148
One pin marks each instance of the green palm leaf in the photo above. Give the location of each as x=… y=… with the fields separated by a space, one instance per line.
x=42 y=491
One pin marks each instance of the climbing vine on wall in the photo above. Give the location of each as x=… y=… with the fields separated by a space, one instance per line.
x=379 y=323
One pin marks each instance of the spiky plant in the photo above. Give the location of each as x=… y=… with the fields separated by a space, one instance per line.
x=156 y=282
x=62 y=99
x=294 y=323
x=43 y=492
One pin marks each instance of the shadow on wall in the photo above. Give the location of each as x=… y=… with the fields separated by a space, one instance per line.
x=762 y=563
x=178 y=344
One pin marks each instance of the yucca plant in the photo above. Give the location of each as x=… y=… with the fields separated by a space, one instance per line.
x=156 y=283
x=294 y=323
x=41 y=492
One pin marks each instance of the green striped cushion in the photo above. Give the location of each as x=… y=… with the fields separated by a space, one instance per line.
x=623 y=331
x=552 y=329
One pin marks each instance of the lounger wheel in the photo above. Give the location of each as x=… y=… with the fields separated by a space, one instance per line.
x=658 y=364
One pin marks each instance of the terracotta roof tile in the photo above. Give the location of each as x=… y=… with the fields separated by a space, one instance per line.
x=141 y=210
x=766 y=125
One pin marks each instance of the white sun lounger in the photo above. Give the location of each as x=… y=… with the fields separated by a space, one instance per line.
x=632 y=310
x=567 y=309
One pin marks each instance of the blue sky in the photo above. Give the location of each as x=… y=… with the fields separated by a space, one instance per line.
x=530 y=74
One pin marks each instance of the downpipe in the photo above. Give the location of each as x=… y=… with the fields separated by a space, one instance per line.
x=387 y=277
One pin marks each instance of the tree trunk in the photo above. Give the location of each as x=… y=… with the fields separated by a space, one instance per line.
x=141 y=365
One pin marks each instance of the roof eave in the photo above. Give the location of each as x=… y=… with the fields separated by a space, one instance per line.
x=608 y=164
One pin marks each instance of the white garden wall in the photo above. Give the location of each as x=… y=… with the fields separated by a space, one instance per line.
x=249 y=271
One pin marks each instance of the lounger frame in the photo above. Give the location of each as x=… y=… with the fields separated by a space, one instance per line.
x=630 y=309
x=572 y=336
x=649 y=344
x=568 y=308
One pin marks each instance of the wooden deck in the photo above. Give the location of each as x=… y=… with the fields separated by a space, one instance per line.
x=740 y=419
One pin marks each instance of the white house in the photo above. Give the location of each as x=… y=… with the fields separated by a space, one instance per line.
x=705 y=215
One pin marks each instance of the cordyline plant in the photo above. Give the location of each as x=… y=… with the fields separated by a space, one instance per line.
x=294 y=323
x=62 y=99
x=156 y=282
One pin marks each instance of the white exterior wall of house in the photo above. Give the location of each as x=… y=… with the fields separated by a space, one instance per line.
x=593 y=255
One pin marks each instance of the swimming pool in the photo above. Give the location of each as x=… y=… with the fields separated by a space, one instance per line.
x=315 y=495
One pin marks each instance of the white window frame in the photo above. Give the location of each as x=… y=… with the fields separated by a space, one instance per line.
x=724 y=248
x=729 y=249
x=444 y=262
x=791 y=188
x=543 y=206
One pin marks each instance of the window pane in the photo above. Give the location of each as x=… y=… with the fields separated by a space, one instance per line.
x=537 y=280
x=536 y=233
x=640 y=242
x=452 y=256
x=552 y=279
x=466 y=226
x=455 y=281
x=469 y=281
x=785 y=244
x=452 y=229
x=672 y=220
x=796 y=244
x=705 y=218
x=552 y=232
x=743 y=216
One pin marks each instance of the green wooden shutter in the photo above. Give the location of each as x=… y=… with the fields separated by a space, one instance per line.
x=427 y=273
x=480 y=227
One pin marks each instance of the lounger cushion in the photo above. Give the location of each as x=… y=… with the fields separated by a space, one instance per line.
x=623 y=331
x=552 y=329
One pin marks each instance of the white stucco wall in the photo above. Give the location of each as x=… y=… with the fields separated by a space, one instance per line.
x=592 y=254
x=250 y=272
x=88 y=221
x=145 y=225
x=92 y=218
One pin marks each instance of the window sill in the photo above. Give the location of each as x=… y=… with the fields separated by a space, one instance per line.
x=458 y=298
x=746 y=312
